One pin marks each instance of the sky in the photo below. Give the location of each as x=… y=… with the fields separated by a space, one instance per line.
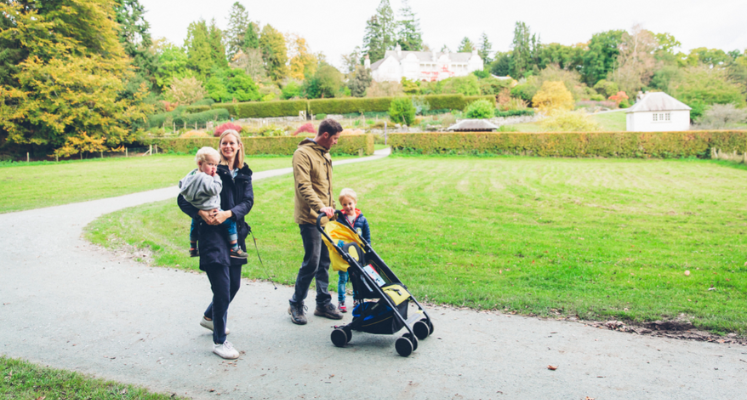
x=335 y=27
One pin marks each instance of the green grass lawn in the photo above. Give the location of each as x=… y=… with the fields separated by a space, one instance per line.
x=46 y=184
x=23 y=380
x=597 y=238
x=614 y=121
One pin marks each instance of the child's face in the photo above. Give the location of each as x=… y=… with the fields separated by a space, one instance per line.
x=209 y=165
x=348 y=205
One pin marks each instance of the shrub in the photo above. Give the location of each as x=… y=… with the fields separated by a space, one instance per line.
x=573 y=144
x=446 y=101
x=722 y=116
x=194 y=134
x=402 y=111
x=268 y=109
x=201 y=118
x=553 y=96
x=567 y=121
x=349 y=105
x=224 y=127
x=465 y=85
x=195 y=109
x=514 y=113
x=204 y=102
x=305 y=128
x=185 y=90
x=321 y=116
x=421 y=105
x=480 y=109
x=525 y=90
x=606 y=88
x=619 y=97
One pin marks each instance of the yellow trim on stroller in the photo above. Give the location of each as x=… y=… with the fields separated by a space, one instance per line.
x=397 y=293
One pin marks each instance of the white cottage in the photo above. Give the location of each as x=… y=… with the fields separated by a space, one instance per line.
x=423 y=65
x=658 y=112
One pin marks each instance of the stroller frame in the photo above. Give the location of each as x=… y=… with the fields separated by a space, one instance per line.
x=418 y=326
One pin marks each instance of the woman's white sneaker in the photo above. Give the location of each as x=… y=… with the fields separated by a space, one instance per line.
x=209 y=325
x=226 y=351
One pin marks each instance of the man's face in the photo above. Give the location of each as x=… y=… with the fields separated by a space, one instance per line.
x=327 y=141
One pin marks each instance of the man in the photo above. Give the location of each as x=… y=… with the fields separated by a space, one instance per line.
x=312 y=172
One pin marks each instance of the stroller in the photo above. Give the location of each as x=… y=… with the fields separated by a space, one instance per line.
x=372 y=279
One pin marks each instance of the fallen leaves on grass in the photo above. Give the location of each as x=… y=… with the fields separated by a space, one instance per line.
x=687 y=273
x=552 y=367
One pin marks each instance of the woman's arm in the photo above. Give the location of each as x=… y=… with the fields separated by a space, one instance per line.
x=193 y=212
x=243 y=207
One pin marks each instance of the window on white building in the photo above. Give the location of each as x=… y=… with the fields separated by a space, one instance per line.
x=656 y=116
x=667 y=117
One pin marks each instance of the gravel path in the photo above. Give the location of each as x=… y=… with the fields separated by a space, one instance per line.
x=72 y=305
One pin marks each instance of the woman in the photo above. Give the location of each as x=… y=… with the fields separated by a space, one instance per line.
x=224 y=272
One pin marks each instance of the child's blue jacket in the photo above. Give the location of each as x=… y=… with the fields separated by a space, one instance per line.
x=361 y=226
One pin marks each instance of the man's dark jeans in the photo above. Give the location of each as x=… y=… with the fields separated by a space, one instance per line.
x=315 y=265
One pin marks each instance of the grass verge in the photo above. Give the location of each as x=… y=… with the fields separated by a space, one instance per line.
x=593 y=238
x=23 y=380
x=44 y=184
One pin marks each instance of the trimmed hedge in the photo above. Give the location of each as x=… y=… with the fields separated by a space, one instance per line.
x=445 y=101
x=197 y=109
x=279 y=145
x=264 y=109
x=201 y=117
x=574 y=144
x=471 y=99
x=514 y=113
x=349 y=105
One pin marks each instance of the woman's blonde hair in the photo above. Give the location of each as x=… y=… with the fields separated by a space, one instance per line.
x=238 y=161
x=202 y=154
x=348 y=193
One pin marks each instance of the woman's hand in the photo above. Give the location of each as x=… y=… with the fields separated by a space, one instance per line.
x=208 y=216
x=221 y=216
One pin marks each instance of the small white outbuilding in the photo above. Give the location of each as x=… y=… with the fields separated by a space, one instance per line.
x=658 y=112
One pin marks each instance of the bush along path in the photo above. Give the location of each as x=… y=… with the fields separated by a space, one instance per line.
x=72 y=305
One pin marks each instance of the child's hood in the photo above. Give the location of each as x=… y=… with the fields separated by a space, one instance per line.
x=189 y=179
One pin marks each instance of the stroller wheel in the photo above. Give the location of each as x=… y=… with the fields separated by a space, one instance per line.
x=339 y=337
x=421 y=329
x=413 y=340
x=348 y=333
x=430 y=326
x=403 y=346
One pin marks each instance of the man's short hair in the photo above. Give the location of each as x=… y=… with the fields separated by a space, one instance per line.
x=329 y=126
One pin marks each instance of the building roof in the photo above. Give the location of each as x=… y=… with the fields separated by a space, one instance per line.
x=423 y=56
x=658 y=101
x=473 y=125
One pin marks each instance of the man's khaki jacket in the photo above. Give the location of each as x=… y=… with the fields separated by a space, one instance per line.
x=312 y=172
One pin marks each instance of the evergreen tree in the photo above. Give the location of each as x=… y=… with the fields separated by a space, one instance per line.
x=135 y=38
x=484 y=49
x=380 y=32
x=360 y=81
x=525 y=48
x=601 y=57
x=238 y=24
x=251 y=36
x=199 y=50
x=465 y=46
x=217 y=49
x=274 y=52
x=409 y=36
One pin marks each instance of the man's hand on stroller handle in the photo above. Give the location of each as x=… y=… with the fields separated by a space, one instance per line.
x=329 y=211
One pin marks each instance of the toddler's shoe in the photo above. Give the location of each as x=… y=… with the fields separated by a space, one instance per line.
x=238 y=253
x=194 y=252
x=342 y=308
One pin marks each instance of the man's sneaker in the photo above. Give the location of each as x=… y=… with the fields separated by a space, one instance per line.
x=341 y=307
x=209 y=325
x=238 y=253
x=296 y=312
x=328 y=311
x=194 y=252
x=226 y=351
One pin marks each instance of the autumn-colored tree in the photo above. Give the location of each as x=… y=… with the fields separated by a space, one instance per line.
x=80 y=144
x=70 y=76
x=302 y=62
x=619 y=97
x=553 y=96
x=274 y=52
x=185 y=90
x=636 y=62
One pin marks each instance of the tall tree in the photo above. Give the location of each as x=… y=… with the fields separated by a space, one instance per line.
x=68 y=83
x=172 y=64
x=251 y=36
x=465 y=46
x=601 y=57
x=485 y=48
x=380 y=32
x=134 y=35
x=302 y=62
x=525 y=46
x=217 y=49
x=199 y=50
x=570 y=58
x=409 y=36
x=274 y=52
x=636 y=62
x=238 y=23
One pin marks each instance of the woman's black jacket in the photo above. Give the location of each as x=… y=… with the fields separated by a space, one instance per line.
x=236 y=196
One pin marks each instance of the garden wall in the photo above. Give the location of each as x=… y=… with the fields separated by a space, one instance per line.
x=574 y=144
x=282 y=145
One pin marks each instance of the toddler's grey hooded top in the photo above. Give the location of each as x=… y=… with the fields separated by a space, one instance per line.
x=201 y=190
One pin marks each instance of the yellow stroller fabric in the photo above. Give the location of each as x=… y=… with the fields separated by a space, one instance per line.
x=341 y=235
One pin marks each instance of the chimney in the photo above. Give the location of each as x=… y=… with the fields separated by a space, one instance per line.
x=399 y=50
x=367 y=62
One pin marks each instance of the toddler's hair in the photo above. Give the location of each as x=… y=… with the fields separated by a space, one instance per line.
x=348 y=193
x=204 y=152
